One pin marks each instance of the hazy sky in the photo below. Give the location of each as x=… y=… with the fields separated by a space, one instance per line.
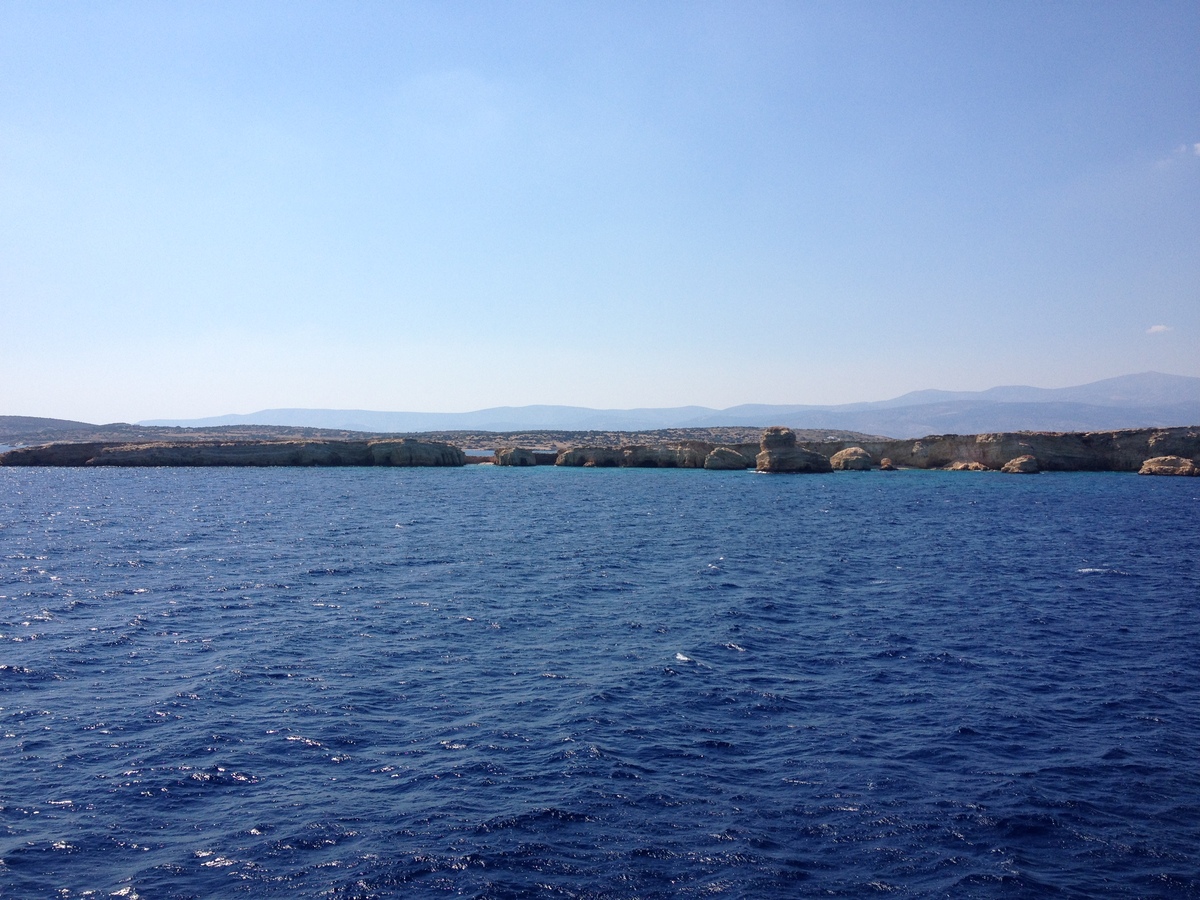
x=209 y=208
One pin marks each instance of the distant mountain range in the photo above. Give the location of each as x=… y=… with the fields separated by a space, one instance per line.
x=1129 y=401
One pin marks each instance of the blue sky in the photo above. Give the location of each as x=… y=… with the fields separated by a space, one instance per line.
x=213 y=208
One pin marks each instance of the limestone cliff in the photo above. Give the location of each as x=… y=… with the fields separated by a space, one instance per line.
x=779 y=453
x=240 y=453
x=1114 y=451
x=407 y=452
x=514 y=456
x=685 y=455
x=852 y=459
x=1022 y=465
x=1097 y=451
x=1169 y=465
x=728 y=459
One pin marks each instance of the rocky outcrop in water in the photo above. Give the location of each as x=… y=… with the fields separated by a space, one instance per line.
x=64 y=454
x=685 y=455
x=1099 y=451
x=240 y=453
x=727 y=459
x=1022 y=465
x=780 y=454
x=591 y=457
x=779 y=450
x=852 y=459
x=515 y=456
x=406 y=452
x=1169 y=465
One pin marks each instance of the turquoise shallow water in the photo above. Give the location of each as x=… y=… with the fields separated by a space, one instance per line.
x=597 y=683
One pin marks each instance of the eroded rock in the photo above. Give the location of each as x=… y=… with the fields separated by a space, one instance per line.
x=792 y=459
x=408 y=452
x=1021 y=465
x=779 y=453
x=1169 y=465
x=727 y=459
x=686 y=455
x=777 y=437
x=852 y=459
x=243 y=453
x=590 y=457
x=514 y=456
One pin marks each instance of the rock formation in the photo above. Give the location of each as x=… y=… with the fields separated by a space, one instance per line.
x=779 y=453
x=642 y=457
x=963 y=465
x=515 y=456
x=685 y=455
x=56 y=454
x=778 y=450
x=240 y=453
x=727 y=458
x=886 y=465
x=1021 y=465
x=1098 y=451
x=1169 y=465
x=692 y=454
x=407 y=452
x=852 y=459
x=590 y=457
x=777 y=437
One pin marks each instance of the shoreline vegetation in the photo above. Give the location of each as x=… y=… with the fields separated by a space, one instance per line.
x=1158 y=451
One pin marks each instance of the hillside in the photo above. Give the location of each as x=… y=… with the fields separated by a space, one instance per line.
x=1149 y=399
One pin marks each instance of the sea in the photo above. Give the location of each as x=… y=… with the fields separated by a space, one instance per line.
x=597 y=683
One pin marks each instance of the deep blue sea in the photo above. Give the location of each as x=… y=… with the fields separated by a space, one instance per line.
x=487 y=682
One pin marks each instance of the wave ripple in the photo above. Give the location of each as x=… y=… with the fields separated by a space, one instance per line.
x=593 y=683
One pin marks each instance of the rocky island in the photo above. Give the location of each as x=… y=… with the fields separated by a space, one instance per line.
x=1151 y=451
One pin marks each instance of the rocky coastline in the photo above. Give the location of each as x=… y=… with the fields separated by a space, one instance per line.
x=403 y=452
x=1156 y=451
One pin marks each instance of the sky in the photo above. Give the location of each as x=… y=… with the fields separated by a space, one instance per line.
x=211 y=208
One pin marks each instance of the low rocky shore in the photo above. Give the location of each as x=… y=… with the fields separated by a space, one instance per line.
x=401 y=452
x=1098 y=451
x=1152 y=451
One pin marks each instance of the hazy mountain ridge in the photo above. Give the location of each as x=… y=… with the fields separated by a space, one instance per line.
x=1149 y=399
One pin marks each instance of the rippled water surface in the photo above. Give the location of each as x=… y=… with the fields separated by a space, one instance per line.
x=597 y=683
